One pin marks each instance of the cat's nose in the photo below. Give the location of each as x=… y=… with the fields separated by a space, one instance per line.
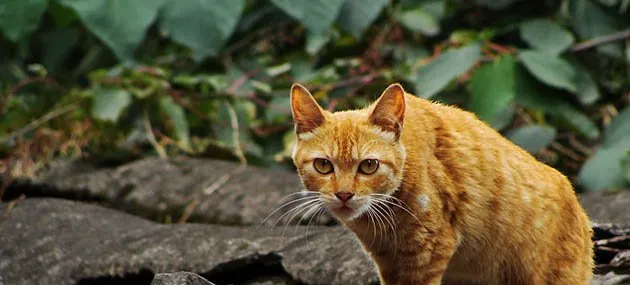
x=344 y=196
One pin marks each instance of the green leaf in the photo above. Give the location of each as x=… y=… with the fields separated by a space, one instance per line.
x=59 y=43
x=357 y=15
x=493 y=88
x=578 y=121
x=625 y=167
x=550 y=69
x=20 y=18
x=315 y=15
x=590 y=20
x=603 y=170
x=587 y=91
x=419 y=21
x=62 y=16
x=531 y=94
x=618 y=131
x=532 y=138
x=120 y=24
x=177 y=116
x=546 y=36
x=108 y=104
x=315 y=42
x=279 y=110
x=203 y=26
x=245 y=114
x=436 y=75
x=495 y=4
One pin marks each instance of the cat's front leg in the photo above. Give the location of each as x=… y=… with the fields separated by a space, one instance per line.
x=423 y=264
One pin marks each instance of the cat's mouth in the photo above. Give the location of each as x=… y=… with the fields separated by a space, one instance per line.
x=348 y=210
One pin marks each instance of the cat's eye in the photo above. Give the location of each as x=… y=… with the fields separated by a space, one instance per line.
x=368 y=166
x=323 y=165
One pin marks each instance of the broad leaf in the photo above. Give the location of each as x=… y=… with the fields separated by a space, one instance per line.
x=493 y=88
x=59 y=43
x=532 y=138
x=587 y=91
x=357 y=15
x=495 y=4
x=315 y=15
x=203 y=26
x=618 y=132
x=603 y=170
x=590 y=21
x=550 y=69
x=108 y=104
x=177 y=116
x=20 y=18
x=577 y=120
x=223 y=127
x=315 y=42
x=419 y=21
x=546 y=36
x=120 y=24
x=279 y=110
x=437 y=74
x=531 y=94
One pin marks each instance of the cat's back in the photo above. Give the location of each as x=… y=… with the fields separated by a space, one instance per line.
x=499 y=190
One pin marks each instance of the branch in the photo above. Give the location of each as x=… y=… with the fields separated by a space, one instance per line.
x=238 y=151
x=151 y=137
x=34 y=124
x=601 y=40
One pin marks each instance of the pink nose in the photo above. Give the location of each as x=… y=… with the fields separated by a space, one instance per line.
x=344 y=196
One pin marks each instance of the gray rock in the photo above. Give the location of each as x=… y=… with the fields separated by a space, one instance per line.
x=179 y=278
x=607 y=207
x=162 y=189
x=612 y=278
x=55 y=241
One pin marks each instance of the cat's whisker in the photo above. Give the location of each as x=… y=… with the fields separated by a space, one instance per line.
x=315 y=216
x=381 y=225
x=294 y=209
x=369 y=213
x=387 y=214
x=384 y=200
x=312 y=209
x=279 y=208
x=297 y=210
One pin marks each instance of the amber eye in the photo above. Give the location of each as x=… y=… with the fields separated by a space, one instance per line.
x=368 y=166
x=323 y=166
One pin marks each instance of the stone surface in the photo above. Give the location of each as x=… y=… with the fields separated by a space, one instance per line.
x=156 y=188
x=607 y=207
x=162 y=189
x=55 y=241
x=612 y=278
x=179 y=278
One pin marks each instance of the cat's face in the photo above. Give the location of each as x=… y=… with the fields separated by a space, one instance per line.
x=352 y=159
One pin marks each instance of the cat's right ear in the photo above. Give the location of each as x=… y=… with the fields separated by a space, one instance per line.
x=389 y=110
x=307 y=114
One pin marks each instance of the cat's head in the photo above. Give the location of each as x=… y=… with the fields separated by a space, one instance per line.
x=352 y=159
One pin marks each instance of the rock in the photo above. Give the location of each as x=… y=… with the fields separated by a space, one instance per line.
x=179 y=278
x=161 y=190
x=612 y=278
x=55 y=241
x=607 y=207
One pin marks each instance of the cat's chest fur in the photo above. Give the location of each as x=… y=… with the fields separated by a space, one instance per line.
x=455 y=202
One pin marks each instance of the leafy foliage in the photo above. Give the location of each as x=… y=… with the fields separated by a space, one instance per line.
x=114 y=80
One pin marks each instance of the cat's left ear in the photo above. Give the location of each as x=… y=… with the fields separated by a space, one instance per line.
x=307 y=114
x=389 y=110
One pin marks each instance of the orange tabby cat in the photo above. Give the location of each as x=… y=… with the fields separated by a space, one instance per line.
x=437 y=197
